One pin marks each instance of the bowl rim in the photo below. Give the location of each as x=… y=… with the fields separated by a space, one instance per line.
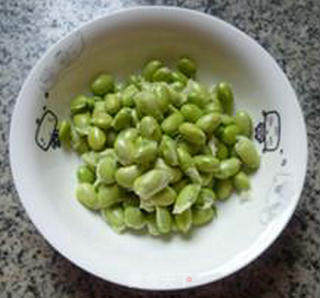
x=42 y=228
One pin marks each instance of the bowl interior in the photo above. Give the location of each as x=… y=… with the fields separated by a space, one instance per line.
x=120 y=44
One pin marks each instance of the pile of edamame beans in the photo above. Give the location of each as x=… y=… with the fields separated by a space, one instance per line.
x=160 y=149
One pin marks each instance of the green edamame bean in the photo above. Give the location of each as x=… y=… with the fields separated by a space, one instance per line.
x=112 y=103
x=150 y=183
x=205 y=199
x=115 y=218
x=163 y=220
x=222 y=151
x=99 y=107
x=241 y=181
x=91 y=159
x=170 y=125
x=187 y=196
x=150 y=129
x=244 y=123
x=229 y=134
x=78 y=104
x=198 y=94
x=123 y=119
x=206 y=163
x=147 y=205
x=179 y=77
x=191 y=112
x=214 y=107
x=108 y=152
x=106 y=169
x=209 y=122
x=145 y=151
x=198 y=98
x=82 y=123
x=126 y=176
x=128 y=94
x=228 y=168
x=124 y=146
x=184 y=221
x=174 y=172
x=134 y=218
x=129 y=134
x=225 y=96
x=192 y=133
x=103 y=84
x=163 y=198
x=248 y=153
x=162 y=96
x=162 y=74
x=176 y=97
x=224 y=189
x=150 y=68
x=184 y=158
x=202 y=216
x=146 y=104
x=101 y=120
x=109 y=195
x=187 y=66
x=64 y=132
x=168 y=149
x=87 y=196
x=85 y=174
x=96 y=138
x=79 y=144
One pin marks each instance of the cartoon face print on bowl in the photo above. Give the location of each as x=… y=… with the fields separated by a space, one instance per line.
x=46 y=135
x=268 y=131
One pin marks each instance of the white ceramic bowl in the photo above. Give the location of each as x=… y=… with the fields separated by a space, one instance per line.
x=120 y=43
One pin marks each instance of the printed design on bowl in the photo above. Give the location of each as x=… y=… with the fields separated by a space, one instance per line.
x=268 y=131
x=46 y=131
x=278 y=196
x=62 y=58
x=46 y=135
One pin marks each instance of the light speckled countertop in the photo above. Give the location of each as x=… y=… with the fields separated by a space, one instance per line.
x=289 y=30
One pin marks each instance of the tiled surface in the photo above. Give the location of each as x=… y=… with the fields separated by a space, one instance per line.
x=289 y=30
